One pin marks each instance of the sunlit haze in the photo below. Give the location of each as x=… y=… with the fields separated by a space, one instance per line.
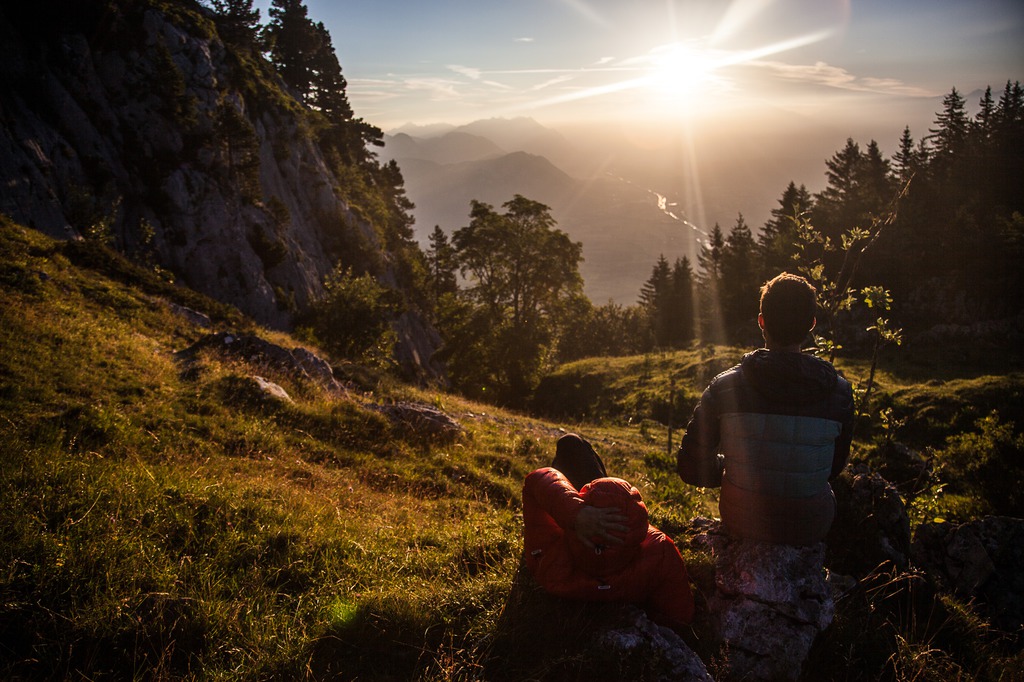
x=568 y=61
x=716 y=105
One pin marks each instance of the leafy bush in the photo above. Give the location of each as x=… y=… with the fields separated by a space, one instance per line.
x=351 y=320
x=988 y=464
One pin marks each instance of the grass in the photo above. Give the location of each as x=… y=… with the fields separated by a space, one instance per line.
x=162 y=520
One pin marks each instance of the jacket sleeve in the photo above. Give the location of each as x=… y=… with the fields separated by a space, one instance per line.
x=845 y=409
x=671 y=600
x=550 y=506
x=697 y=460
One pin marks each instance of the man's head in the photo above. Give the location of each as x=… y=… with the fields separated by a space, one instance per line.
x=788 y=304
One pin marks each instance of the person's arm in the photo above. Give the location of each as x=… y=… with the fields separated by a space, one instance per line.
x=555 y=496
x=697 y=460
x=841 y=455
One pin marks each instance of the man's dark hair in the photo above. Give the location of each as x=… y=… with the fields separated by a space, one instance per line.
x=788 y=304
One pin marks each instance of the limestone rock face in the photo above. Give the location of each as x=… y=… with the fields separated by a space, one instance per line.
x=766 y=603
x=112 y=126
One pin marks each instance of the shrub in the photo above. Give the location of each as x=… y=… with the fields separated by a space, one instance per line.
x=351 y=320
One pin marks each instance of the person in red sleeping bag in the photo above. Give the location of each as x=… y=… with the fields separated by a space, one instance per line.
x=586 y=536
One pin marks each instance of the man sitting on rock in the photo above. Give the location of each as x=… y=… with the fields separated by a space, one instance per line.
x=586 y=536
x=773 y=430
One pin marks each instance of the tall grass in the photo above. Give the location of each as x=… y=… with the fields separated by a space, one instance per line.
x=161 y=519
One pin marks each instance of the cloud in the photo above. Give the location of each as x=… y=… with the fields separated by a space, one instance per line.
x=467 y=71
x=551 y=81
x=837 y=77
x=524 y=40
x=439 y=89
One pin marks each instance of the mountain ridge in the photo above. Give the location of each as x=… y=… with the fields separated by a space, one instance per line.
x=620 y=224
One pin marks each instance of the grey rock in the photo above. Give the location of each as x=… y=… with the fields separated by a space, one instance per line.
x=96 y=131
x=194 y=316
x=872 y=525
x=298 y=361
x=981 y=561
x=422 y=419
x=271 y=391
x=766 y=604
x=664 y=654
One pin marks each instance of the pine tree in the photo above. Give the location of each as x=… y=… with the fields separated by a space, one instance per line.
x=739 y=279
x=776 y=243
x=656 y=298
x=906 y=160
x=984 y=123
x=874 y=182
x=441 y=264
x=327 y=84
x=680 y=309
x=293 y=44
x=948 y=136
x=240 y=148
x=238 y=21
x=709 y=259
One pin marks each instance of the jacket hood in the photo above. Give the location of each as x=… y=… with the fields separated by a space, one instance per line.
x=612 y=492
x=796 y=378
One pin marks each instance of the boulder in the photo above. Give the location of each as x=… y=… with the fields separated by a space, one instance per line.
x=765 y=604
x=542 y=637
x=422 y=419
x=297 y=361
x=980 y=561
x=271 y=391
x=639 y=648
x=871 y=525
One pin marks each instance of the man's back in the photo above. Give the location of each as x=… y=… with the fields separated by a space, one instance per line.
x=781 y=421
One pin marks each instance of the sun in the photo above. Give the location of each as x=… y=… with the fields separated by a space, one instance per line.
x=679 y=70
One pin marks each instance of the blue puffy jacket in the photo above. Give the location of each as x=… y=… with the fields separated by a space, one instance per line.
x=771 y=432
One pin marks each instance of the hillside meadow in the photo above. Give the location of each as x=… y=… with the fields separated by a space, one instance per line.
x=162 y=519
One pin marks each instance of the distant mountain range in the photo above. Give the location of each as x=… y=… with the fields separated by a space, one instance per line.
x=622 y=226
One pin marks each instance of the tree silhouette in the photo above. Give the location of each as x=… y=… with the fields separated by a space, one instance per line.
x=238 y=21
x=739 y=280
x=521 y=272
x=293 y=44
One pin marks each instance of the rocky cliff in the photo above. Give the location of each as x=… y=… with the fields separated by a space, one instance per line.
x=134 y=122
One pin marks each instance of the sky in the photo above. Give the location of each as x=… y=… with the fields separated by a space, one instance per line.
x=663 y=62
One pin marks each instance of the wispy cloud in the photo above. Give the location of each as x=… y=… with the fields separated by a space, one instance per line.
x=524 y=40
x=585 y=10
x=467 y=71
x=438 y=89
x=557 y=80
x=837 y=77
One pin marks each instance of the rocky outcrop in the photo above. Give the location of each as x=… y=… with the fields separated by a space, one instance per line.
x=980 y=561
x=422 y=420
x=298 y=361
x=127 y=122
x=542 y=637
x=636 y=643
x=871 y=525
x=765 y=604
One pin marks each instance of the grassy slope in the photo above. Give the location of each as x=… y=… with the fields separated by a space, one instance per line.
x=163 y=521
x=160 y=520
